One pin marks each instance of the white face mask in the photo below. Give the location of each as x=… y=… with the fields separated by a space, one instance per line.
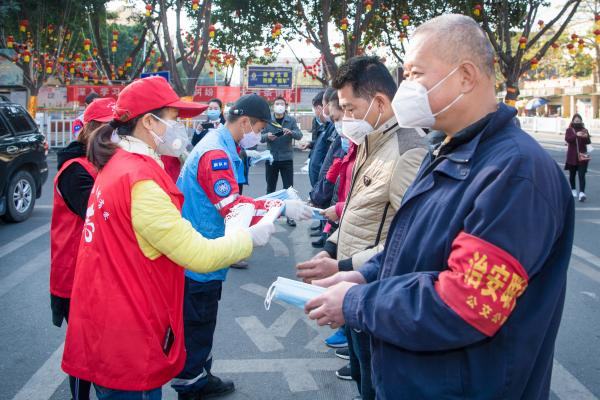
x=174 y=141
x=250 y=139
x=357 y=129
x=338 y=127
x=411 y=104
x=279 y=109
x=325 y=115
x=292 y=292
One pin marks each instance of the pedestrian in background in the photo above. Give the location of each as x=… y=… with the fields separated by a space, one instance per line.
x=214 y=119
x=578 y=139
x=72 y=186
x=280 y=141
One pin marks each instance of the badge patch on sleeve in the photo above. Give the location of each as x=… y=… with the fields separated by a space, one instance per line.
x=220 y=164
x=482 y=283
x=222 y=188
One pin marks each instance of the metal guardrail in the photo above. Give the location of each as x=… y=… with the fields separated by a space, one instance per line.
x=58 y=131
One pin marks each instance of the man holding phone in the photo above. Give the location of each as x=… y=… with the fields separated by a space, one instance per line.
x=279 y=142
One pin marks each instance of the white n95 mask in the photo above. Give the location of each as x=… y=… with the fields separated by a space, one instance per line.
x=357 y=129
x=411 y=104
x=174 y=141
x=292 y=292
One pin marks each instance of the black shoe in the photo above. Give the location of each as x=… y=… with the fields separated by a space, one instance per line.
x=319 y=243
x=343 y=353
x=215 y=387
x=316 y=227
x=240 y=265
x=316 y=234
x=291 y=222
x=344 y=373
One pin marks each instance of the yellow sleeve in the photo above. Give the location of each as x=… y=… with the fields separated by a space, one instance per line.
x=160 y=229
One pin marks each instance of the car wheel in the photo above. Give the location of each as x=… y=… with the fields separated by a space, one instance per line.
x=20 y=197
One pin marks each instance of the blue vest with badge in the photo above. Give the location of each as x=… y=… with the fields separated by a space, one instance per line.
x=197 y=208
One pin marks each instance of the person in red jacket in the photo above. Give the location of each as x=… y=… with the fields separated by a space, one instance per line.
x=125 y=331
x=72 y=186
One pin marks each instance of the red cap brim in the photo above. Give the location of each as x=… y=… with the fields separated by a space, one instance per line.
x=108 y=118
x=188 y=109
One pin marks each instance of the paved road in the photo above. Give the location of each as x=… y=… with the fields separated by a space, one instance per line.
x=274 y=354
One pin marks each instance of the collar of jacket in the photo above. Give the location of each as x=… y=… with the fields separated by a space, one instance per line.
x=286 y=117
x=135 y=145
x=502 y=116
x=381 y=135
x=226 y=138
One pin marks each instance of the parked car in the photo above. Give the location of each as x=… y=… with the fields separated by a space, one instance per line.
x=23 y=166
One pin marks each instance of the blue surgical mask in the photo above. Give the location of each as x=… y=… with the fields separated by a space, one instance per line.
x=345 y=144
x=213 y=115
x=292 y=292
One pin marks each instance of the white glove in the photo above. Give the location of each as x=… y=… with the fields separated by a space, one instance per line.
x=252 y=154
x=297 y=210
x=261 y=233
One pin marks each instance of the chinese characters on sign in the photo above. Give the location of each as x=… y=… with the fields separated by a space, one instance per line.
x=270 y=77
x=78 y=93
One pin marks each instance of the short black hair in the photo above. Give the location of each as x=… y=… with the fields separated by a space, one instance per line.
x=318 y=99
x=91 y=97
x=280 y=98
x=367 y=75
x=329 y=92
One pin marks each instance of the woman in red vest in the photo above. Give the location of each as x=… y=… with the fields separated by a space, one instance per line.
x=127 y=307
x=72 y=186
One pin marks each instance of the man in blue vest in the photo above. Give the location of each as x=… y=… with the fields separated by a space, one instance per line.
x=209 y=182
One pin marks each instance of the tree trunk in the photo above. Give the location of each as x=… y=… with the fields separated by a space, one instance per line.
x=512 y=90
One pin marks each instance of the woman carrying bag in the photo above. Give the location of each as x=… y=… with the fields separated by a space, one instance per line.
x=578 y=158
x=125 y=331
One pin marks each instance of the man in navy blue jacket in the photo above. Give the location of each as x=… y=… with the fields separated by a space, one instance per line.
x=466 y=299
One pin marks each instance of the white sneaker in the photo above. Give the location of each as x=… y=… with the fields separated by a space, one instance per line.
x=574 y=193
x=582 y=196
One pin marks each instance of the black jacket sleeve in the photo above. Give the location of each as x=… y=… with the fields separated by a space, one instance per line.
x=75 y=185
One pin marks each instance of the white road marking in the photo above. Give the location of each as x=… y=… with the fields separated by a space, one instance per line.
x=585 y=269
x=21 y=273
x=566 y=386
x=586 y=256
x=45 y=381
x=587 y=209
x=590 y=294
x=23 y=240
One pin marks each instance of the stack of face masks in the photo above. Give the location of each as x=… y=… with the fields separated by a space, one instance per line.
x=292 y=292
x=284 y=194
x=240 y=216
x=317 y=214
x=262 y=156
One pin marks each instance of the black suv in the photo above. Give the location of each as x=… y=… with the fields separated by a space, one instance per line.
x=23 y=167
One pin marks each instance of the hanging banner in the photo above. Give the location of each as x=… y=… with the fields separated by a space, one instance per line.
x=291 y=96
x=227 y=94
x=78 y=93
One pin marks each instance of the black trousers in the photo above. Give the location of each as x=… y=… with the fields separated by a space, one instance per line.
x=272 y=171
x=577 y=170
x=200 y=306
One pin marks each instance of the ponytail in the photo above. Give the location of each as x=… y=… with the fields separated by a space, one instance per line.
x=100 y=146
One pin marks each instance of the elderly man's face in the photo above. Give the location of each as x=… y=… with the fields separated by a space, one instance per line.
x=424 y=64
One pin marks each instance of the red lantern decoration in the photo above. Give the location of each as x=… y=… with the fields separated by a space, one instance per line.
x=71 y=68
x=95 y=52
x=571 y=48
x=23 y=24
x=477 y=10
x=10 y=42
x=522 y=42
x=148 y=10
x=77 y=57
x=368 y=5
x=61 y=57
x=574 y=37
x=195 y=4
x=49 y=67
x=26 y=56
x=597 y=34
x=87 y=43
x=267 y=51
x=597 y=19
x=211 y=31
x=136 y=40
x=581 y=43
x=50 y=29
x=67 y=35
x=115 y=35
x=534 y=63
x=405 y=20
x=344 y=24
x=113 y=46
x=541 y=24
x=128 y=63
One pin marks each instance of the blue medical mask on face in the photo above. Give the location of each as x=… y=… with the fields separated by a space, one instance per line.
x=213 y=115
x=345 y=144
x=292 y=292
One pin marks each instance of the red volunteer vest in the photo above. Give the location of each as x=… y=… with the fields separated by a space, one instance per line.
x=65 y=236
x=123 y=303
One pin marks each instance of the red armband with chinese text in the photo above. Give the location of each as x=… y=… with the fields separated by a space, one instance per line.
x=482 y=283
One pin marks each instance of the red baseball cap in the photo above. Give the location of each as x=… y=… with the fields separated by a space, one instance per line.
x=100 y=109
x=149 y=94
